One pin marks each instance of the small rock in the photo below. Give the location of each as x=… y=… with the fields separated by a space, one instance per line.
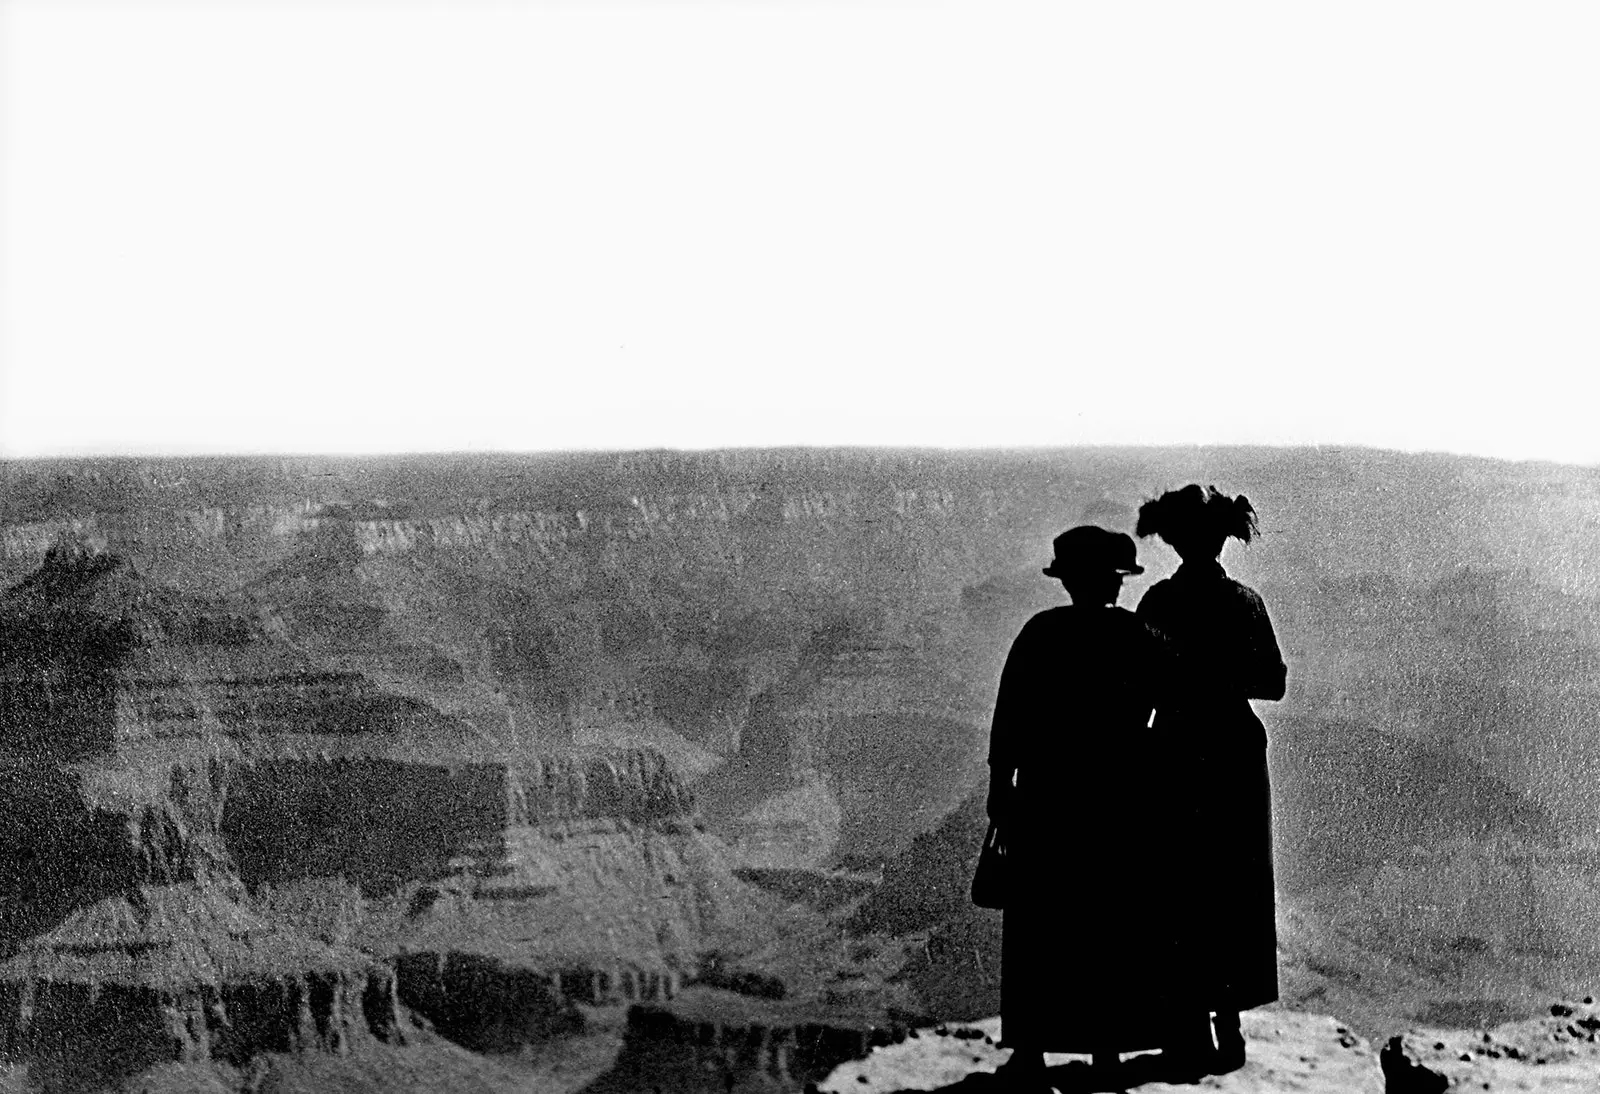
x=1560 y=1010
x=1588 y=1000
x=1404 y=1073
x=862 y=1079
x=1466 y=1057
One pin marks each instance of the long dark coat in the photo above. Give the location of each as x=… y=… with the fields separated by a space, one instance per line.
x=1092 y=942
x=1228 y=655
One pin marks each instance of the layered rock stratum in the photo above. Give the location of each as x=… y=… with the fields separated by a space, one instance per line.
x=218 y=854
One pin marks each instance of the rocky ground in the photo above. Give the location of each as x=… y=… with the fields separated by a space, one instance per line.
x=1556 y=1053
x=1289 y=1053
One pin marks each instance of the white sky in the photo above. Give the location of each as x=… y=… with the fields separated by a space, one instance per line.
x=348 y=227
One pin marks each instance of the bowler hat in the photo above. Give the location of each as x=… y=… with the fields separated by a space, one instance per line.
x=1089 y=549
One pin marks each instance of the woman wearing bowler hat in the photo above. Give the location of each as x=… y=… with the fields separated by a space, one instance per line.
x=1078 y=791
x=1229 y=655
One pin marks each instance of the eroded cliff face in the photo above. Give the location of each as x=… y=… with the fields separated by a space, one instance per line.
x=480 y=524
x=490 y=899
x=217 y=852
x=183 y=972
x=658 y=616
x=714 y=1041
x=99 y=657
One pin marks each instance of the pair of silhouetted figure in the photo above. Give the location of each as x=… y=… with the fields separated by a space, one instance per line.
x=1129 y=784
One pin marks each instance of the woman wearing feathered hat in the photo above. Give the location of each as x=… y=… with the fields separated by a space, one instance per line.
x=1228 y=655
x=1079 y=796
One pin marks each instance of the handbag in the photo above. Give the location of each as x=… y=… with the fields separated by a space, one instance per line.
x=990 y=880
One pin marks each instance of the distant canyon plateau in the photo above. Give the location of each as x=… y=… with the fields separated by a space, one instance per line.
x=585 y=771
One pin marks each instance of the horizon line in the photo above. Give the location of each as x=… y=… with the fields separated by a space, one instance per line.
x=710 y=450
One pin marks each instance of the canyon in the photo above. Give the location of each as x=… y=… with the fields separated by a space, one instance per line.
x=561 y=771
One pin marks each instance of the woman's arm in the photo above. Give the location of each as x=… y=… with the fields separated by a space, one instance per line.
x=1265 y=676
x=1006 y=732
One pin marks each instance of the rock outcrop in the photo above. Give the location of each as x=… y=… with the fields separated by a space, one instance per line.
x=715 y=1042
x=98 y=657
x=182 y=973
x=219 y=852
x=1559 y=1053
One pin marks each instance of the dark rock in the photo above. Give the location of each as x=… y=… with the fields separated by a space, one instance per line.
x=1404 y=1073
x=483 y=1004
x=717 y=972
x=704 y=1038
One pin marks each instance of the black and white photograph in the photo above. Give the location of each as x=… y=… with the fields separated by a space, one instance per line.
x=799 y=547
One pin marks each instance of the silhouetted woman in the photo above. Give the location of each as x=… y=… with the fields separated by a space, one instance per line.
x=1077 y=790
x=1228 y=655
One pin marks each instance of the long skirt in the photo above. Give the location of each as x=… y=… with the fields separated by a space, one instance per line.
x=1096 y=954
x=1237 y=939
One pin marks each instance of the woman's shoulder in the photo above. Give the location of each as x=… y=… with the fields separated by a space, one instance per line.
x=1051 y=619
x=1243 y=593
x=1161 y=588
x=1066 y=619
x=1043 y=631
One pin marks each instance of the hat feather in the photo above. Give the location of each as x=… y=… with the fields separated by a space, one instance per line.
x=1195 y=508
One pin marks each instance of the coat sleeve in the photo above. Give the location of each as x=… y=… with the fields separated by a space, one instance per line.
x=1265 y=676
x=1009 y=730
x=1013 y=702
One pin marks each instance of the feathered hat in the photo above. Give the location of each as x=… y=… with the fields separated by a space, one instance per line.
x=1196 y=510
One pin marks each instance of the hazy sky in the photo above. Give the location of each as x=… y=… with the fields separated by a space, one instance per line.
x=344 y=227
